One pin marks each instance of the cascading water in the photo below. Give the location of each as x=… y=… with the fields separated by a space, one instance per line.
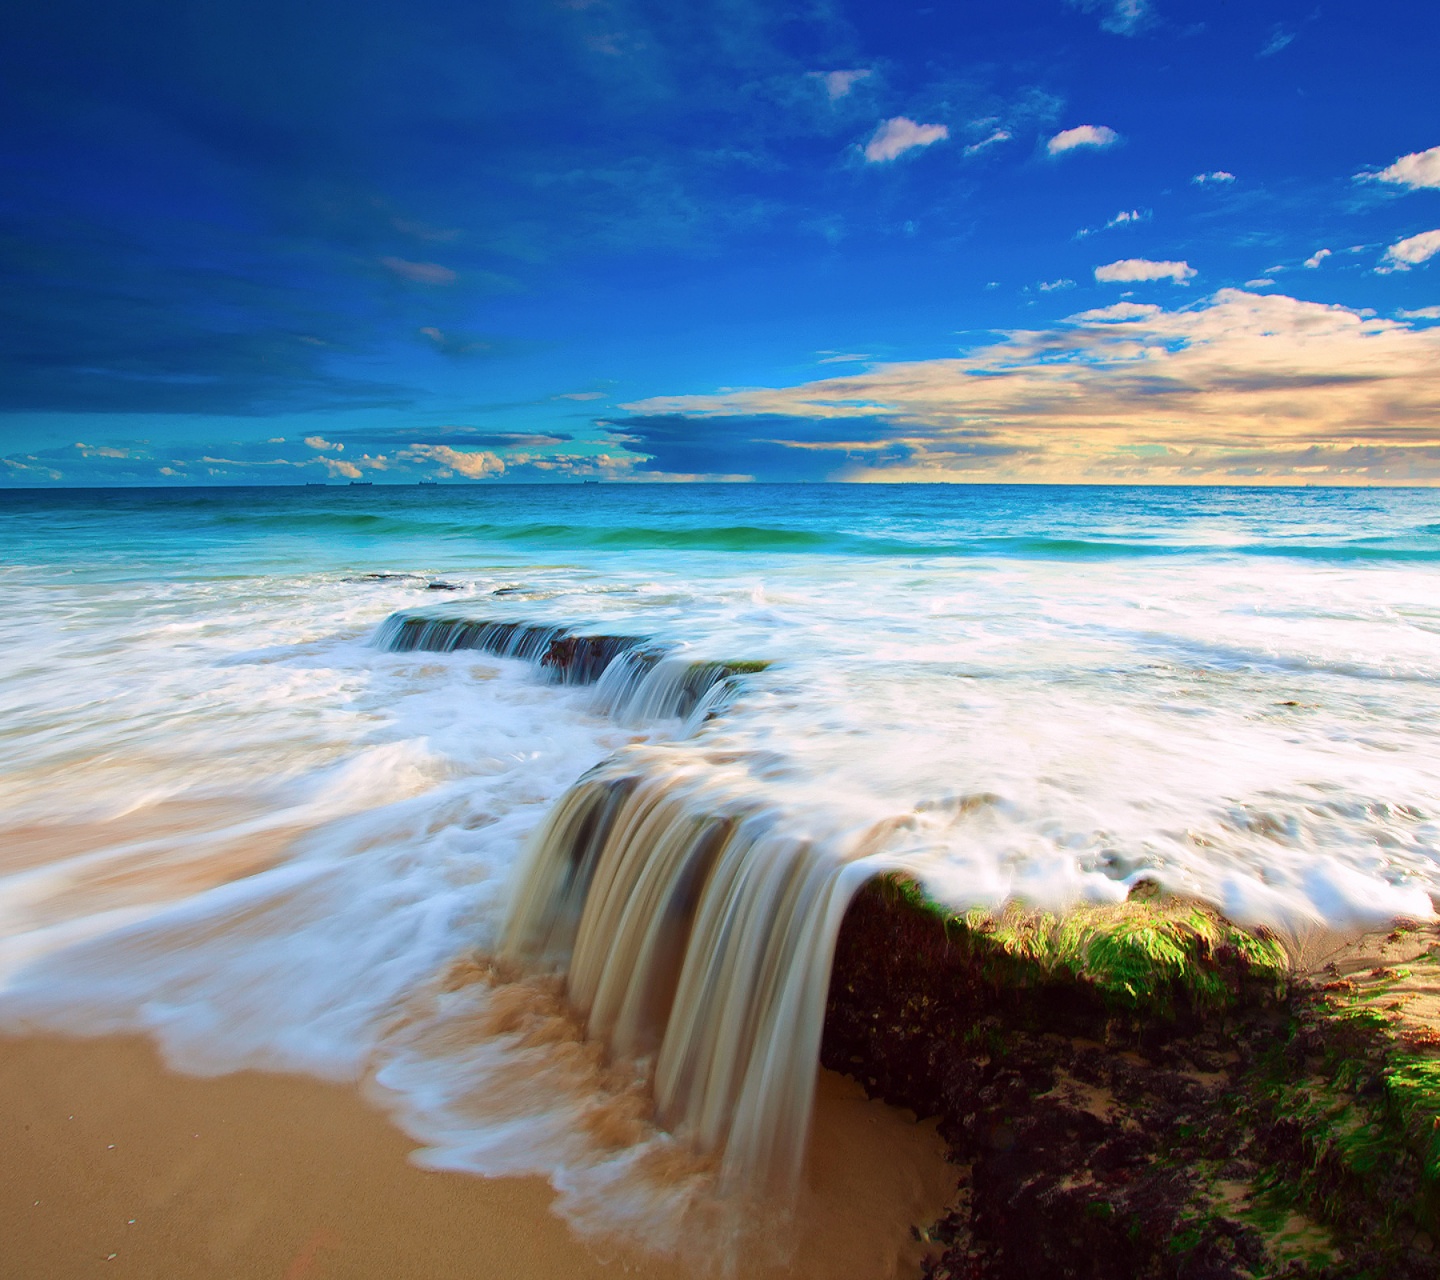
x=689 y=895
x=696 y=933
x=570 y=658
x=636 y=679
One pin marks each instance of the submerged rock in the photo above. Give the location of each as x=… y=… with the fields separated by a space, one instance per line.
x=639 y=677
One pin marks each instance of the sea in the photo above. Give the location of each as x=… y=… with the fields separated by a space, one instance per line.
x=535 y=809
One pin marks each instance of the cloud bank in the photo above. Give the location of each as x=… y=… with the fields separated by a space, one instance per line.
x=1238 y=388
x=388 y=454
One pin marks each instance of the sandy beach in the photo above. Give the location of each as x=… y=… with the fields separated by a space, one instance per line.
x=115 y=1166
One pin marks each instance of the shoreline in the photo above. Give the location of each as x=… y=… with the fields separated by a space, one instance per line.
x=170 y=1177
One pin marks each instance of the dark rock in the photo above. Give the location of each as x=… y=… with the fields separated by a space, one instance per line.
x=1176 y=1139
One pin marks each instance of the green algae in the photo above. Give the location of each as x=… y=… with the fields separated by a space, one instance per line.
x=1365 y=1107
x=1138 y=956
x=748 y=667
x=1412 y=1085
x=1318 y=1151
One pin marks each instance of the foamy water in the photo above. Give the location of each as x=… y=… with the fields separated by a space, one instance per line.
x=232 y=820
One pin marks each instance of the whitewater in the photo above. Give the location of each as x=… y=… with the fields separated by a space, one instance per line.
x=536 y=809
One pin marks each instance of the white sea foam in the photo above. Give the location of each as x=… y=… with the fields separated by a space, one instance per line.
x=233 y=823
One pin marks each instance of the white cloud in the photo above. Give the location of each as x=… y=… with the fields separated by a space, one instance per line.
x=100 y=451
x=1239 y=387
x=1316 y=258
x=1050 y=286
x=1116 y=312
x=1124 y=218
x=899 y=135
x=619 y=466
x=997 y=135
x=839 y=83
x=419 y=272
x=1418 y=169
x=319 y=442
x=1132 y=269
x=1083 y=135
x=1260 y=282
x=1218 y=176
x=1421 y=313
x=1278 y=41
x=462 y=462
x=844 y=358
x=1412 y=251
x=28 y=470
x=1123 y=17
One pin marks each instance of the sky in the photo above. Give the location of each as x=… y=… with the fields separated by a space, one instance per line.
x=1149 y=241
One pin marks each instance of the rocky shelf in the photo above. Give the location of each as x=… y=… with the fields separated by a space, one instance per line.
x=1149 y=1091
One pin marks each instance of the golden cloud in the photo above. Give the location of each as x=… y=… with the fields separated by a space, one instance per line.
x=473 y=464
x=1238 y=388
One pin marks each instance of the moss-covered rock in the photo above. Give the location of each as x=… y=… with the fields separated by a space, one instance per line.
x=744 y=667
x=1149 y=1091
x=1352 y=1093
x=1158 y=957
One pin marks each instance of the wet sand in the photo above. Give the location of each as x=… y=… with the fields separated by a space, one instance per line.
x=110 y=1165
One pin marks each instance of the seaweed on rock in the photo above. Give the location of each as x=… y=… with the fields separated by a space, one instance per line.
x=1148 y=1091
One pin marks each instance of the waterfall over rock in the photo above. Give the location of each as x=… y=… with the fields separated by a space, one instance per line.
x=696 y=932
x=692 y=918
x=636 y=678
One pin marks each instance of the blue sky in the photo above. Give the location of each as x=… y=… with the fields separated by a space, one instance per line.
x=1052 y=240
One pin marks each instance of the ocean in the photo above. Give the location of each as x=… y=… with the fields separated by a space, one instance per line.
x=277 y=792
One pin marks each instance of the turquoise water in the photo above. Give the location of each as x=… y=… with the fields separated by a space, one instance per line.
x=235 y=821
x=280 y=525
